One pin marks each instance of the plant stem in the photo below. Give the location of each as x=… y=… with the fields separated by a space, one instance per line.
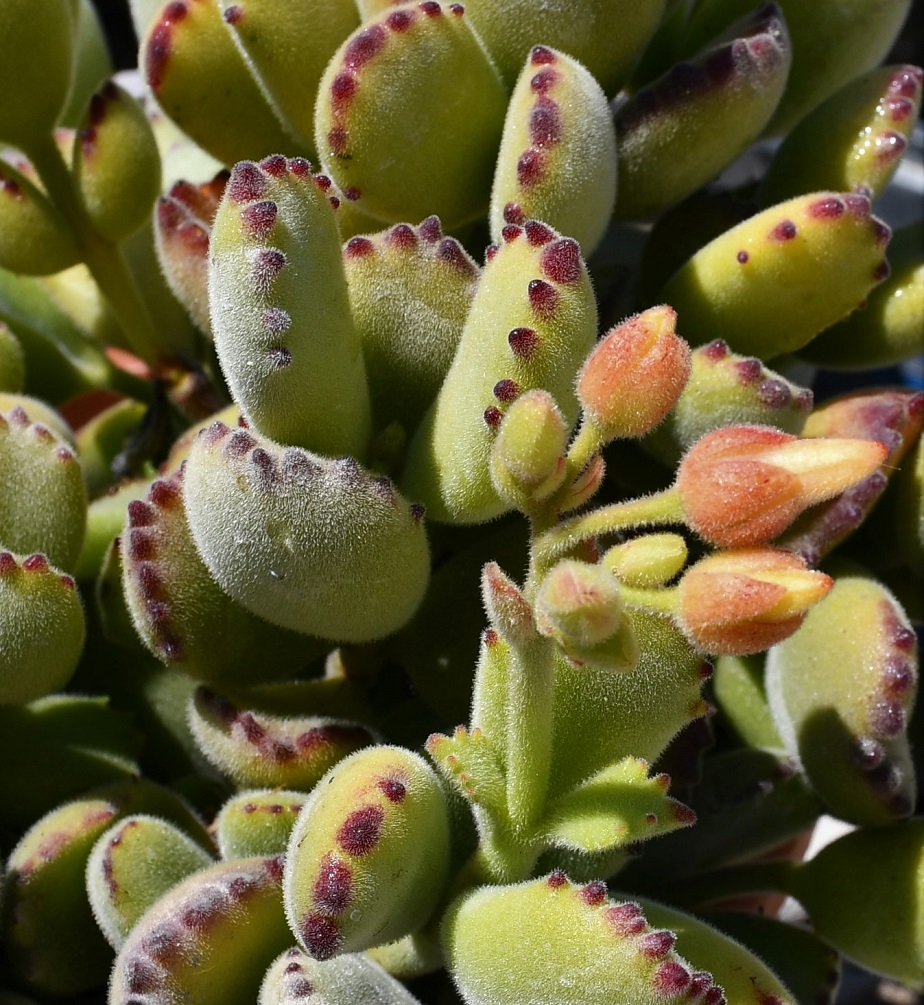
x=103 y=258
x=530 y=697
x=660 y=508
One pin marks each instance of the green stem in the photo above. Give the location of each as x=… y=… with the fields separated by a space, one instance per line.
x=530 y=697
x=103 y=258
x=660 y=508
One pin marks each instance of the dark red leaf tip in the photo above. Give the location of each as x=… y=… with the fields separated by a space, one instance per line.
x=351 y=193
x=506 y=390
x=393 y=789
x=828 y=208
x=523 y=341
x=7 y=563
x=360 y=832
x=457 y=9
x=247 y=182
x=774 y=393
x=541 y=55
x=35 y=563
x=321 y=936
x=359 y=247
x=898 y=677
x=858 y=205
x=594 y=894
x=275 y=165
x=490 y=252
x=715 y=350
x=543 y=81
x=452 y=253
x=656 y=945
x=234 y=14
x=400 y=20
x=343 y=87
x=906 y=81
x=333 y=888
x=240 y=442
x=543 y=298
x=899 y=109
x=259 y=218
x=561 y=262
x=141 y=514
x=881 y=271
x=538 y=233
x=363 y=46
x=267 y=264
x=275 y=320
x=748 y=371
x=785 y=230
x=513 y=213
x=337 y=141
x=418 y=511
x=431 y=8
x=431 y=229
x=510 y=232
x=493 y=416
x=301 y=168
x=625 y=919
x=889 y=146
x=886 y=719
x=530 y=167
x=545 y=123
x=490 y=638
x=671 y=979
x=882 y=233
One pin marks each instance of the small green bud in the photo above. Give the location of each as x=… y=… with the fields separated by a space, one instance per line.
x=528 y=455
x=646 y=561
x=580 y=606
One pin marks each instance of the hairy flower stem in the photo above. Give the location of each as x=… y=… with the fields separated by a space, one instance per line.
x=103 y=258
x=660 y=508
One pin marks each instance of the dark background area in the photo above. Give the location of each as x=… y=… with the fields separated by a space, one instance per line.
x=909 y=48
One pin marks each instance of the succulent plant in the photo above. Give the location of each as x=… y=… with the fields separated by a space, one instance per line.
x=386 y=619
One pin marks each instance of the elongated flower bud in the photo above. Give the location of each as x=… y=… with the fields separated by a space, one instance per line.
x=741 y=602
x=744 y=485
x=528 y=456
x=634 y=376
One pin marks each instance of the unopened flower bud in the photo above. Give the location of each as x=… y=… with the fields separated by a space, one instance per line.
x=528 y=456
x=744 y=485
x=580 y=606
x=646 y=561
x=739 y=602
x=508 y=610
x=635 y=375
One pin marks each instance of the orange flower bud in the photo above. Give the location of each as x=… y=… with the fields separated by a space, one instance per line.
x=579 y=605
x=635 y=375
x=744 y=485
x=739 y=602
